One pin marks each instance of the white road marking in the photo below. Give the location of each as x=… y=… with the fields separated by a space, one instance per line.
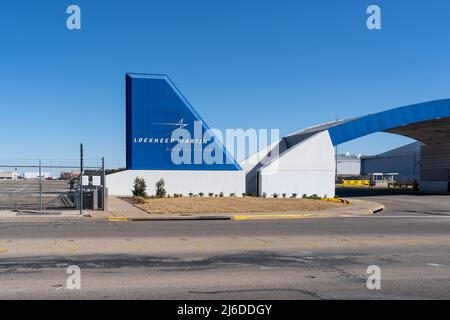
x=435 y=265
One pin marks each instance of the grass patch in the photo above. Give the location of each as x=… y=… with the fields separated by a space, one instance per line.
x=229 y=205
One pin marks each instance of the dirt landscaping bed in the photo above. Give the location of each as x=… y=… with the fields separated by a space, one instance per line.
x=230 y=205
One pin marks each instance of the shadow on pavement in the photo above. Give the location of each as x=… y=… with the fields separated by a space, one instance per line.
x=111 y=262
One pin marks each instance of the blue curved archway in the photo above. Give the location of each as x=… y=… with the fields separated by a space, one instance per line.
x=388 y=120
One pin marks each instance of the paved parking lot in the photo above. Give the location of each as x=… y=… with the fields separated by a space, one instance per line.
x=24 y=194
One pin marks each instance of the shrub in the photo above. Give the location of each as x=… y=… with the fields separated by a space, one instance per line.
x=191 y=194
x=313 y=197
x=221 y=194
x=201 y=194
x=160 y=190
x=139 y=188
x=232 y=195
x=294 y=195
x=275 y=195
x=244 y=195
x=211 y=194
x=264 y=195
x=304 y=196
x=284 y=195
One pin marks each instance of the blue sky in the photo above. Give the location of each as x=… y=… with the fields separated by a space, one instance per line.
x=241 y=64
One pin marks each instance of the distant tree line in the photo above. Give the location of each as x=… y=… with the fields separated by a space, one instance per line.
x=111 y=171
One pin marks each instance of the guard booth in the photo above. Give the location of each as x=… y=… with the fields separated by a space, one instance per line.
x=382 y=179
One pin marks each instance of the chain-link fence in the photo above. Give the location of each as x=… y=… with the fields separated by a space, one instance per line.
x=52 y=184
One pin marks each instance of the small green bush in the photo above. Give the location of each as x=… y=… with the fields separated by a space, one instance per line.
x=211 y=194
x=275 y=195
x=201 y=194
x=160 y=190
x=139 y=188
x=313 y=197
x=221 y=194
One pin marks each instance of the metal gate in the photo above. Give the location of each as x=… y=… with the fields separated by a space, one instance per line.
x=52 y=184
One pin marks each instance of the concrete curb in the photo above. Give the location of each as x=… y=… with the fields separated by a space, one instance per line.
x=174 y=218
x=376 y=207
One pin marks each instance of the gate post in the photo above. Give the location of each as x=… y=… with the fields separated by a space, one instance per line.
x=40 y=186
x=103 y=185
x=81 y=179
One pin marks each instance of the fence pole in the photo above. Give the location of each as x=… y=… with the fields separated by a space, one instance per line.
x=40 y=185
x=81 y=178
x=103 y=185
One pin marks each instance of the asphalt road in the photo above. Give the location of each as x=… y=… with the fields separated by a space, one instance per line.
x=273 y=259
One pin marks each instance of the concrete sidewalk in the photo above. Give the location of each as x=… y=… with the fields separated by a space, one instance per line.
x=121 y=210
x=36 y=215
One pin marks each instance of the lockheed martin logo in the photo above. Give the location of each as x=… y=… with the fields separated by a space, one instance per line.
x=177 y=137
x=179 y=125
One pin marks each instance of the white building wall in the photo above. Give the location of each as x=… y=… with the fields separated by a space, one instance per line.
x=182 y=182
x=349 y=167
x=35 y=175
x=256 y=161
x=307 y=168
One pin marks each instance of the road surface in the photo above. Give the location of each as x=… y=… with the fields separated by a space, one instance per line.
x=273 y=259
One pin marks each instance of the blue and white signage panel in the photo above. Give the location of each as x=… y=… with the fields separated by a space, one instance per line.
x=164 y=132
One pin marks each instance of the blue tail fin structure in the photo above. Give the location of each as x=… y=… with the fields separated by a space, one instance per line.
x=160 y=121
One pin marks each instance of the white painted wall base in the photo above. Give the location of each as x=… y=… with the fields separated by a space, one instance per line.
x=299 y=182
x=307 y=168
x=182 y=182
